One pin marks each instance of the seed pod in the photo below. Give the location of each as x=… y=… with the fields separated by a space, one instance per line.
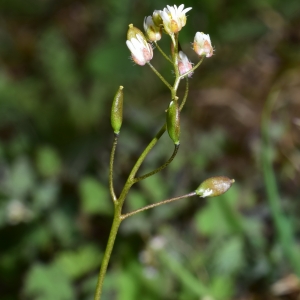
x=173 y=122
x=214 y=186
x=117 y=111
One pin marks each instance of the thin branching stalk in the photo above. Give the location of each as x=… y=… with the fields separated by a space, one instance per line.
x=160 y=76
x=185 y=93
x=137 y=179
x=157 y=204
x=111 y=166
x=163 y=53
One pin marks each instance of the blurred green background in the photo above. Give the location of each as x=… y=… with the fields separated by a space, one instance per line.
x=60 y=64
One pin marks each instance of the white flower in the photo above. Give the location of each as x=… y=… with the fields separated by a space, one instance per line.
x=202 y=44
x=153 y=32
x=141 y=51
x=174 y=18
x=184 y=65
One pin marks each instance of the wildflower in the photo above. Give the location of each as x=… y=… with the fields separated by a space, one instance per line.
x=202 y=44
x=153 y=32
x=174 y=18
x=141 y=51
x=184 y=65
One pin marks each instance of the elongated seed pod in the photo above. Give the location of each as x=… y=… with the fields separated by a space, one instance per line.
x=214 y=186
x=117 y=111
x=173 y=122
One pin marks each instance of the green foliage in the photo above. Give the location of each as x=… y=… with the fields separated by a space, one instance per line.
x=94 y=197
x=48 y=282
x=20 y=179
x=221 y=288
x=78 y=263
x=213 y=220
x=229 y=259
x=48 y=162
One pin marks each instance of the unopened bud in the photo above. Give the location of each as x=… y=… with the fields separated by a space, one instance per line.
x=157 y=20
x=141 y=51
x=133 y=31
x=214 y=186
x=202 y=44
x=184 y=65
x=117 y=111
x=173 y=122
x=153 y=32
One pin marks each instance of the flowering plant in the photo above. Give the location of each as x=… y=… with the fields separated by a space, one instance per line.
x=170 y=21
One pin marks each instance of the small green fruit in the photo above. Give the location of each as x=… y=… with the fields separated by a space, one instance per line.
x=214 y=186
x=117 y=111
x=173 y=122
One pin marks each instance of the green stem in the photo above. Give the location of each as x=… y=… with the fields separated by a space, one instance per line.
x=192 y=69
x=175 y=60
x=160 y=76
x=283 y=227
x=157 y=204
x=137 y=179
x=185 y=94
x=145 y=153
x=110 y=244
x=111 y=165
x=163 y=53
x=118 y=209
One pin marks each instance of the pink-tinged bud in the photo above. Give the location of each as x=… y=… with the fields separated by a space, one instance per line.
x=214 y=186
x=202 y=44
x=184 y=65
x=141 y=51
x=153 y=32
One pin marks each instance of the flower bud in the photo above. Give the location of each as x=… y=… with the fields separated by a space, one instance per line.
x=133 y=31
x=184 y=65
x=214 y=186
x=202 y=44
x=141 y=51
x=117 y=111
x=157 y=20
x=173 y=122
x=153 y=32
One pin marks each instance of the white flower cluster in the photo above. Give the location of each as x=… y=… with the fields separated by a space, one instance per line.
x=169 y=20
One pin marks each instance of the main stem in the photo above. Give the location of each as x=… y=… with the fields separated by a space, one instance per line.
x=118 y=212
x=109 y=247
